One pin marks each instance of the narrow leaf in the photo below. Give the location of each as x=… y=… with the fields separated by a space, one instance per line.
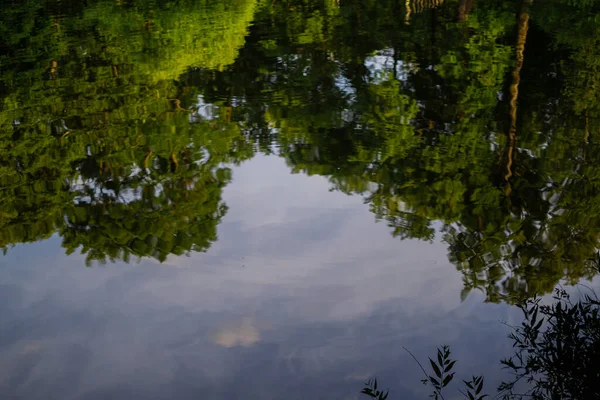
x=539 y=324
x=480 y=385
x=436 y=369
x=449 y=367
x=447 y=380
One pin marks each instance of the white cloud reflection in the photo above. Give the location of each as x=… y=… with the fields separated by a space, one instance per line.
x=243 y=334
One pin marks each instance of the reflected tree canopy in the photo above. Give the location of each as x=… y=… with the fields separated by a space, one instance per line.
x=477 y=120
x=100 y=142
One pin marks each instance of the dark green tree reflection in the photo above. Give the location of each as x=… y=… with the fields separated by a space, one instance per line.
x=476 y=119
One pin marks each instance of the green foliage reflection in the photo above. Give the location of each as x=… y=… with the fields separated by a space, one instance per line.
x=478 y=120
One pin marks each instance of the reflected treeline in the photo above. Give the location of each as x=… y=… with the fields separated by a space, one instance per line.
x=119 y=119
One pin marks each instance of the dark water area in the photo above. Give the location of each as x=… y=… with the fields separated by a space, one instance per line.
x=210 y=199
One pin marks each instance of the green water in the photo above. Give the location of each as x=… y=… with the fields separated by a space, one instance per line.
x=457 y=135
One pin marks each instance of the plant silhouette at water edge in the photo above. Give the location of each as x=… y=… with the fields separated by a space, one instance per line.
x=557 y=355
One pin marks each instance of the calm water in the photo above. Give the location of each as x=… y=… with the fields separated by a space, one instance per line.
x=206 y=199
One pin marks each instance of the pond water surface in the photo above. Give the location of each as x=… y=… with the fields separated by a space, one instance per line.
x=205 y=199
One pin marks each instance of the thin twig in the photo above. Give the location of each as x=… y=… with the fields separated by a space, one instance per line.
x=507 y=324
